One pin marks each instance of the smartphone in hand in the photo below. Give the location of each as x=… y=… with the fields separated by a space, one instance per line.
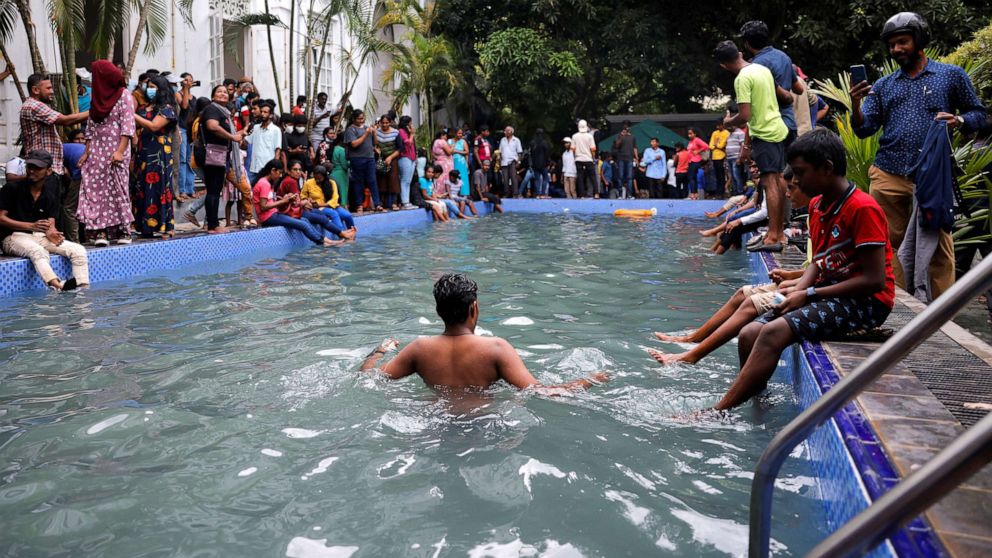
x=858 y=74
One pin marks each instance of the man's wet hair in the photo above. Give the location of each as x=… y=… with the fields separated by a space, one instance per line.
x=818 y=148
x=454 y=294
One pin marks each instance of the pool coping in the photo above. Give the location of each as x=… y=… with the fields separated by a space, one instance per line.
x=876 y=471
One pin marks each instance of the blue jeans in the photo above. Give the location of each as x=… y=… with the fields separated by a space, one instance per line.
x=282 y=220
x=543 y=178
x=362 y=177
x=452 y=207
x=339 y=216
x=406 y=177
x=322 y=220
x=528 y=180
x=186 y=176
x=625 y=176
x=694 y=178
x=736 y=177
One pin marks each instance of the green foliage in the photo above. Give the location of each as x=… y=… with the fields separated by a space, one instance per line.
x=657 y=56
x=975 y=56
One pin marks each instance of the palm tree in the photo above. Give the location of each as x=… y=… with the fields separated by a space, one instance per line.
x=8 y=22
x=423 y=63
x=23 y=8
x=268 y=20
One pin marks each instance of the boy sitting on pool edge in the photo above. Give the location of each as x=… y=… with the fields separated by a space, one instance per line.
x=849 y=284
x=458 y=358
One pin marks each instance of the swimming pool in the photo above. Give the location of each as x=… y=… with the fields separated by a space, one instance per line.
x=222 y=414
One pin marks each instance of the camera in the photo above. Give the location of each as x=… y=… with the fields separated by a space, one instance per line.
x=196 y=83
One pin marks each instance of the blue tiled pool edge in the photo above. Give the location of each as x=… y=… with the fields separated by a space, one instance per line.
x=851 y=465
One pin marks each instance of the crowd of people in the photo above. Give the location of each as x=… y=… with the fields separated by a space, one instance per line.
x=134 y=154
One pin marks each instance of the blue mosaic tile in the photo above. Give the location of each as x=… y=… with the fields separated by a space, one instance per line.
x=17 y=275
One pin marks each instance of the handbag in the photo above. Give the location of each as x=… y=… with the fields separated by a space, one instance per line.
x=705 y=155
x=381 y=166
x=216 y=155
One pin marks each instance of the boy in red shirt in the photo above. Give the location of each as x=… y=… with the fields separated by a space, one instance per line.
x=849 y=285
x=682 y=157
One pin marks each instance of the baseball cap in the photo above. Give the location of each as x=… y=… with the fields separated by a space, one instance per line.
x=567 y=140
x=38 y=158
x=173 y=79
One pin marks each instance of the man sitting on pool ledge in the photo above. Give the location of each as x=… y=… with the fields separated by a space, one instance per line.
x=458 y=358
x=849 y=284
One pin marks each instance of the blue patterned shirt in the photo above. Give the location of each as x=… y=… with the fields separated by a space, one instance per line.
x=904 y=106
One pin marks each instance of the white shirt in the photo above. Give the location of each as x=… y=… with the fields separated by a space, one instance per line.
x=584 y=145
x=264 y=142
x=509 y=150
x=16 y=166
x=317 y=132
x=568 y=164
x=671 y=172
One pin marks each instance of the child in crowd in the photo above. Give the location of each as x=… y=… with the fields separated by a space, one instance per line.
x=441 y=208
x=482 y=190
x=682 y=157
x=455 y=187
x=606 y=175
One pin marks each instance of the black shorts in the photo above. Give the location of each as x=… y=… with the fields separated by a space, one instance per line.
x=770 y=157
x=831 y=318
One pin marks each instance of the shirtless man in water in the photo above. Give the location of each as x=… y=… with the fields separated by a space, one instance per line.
x=458 y=358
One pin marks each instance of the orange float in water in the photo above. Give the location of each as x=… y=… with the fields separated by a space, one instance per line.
x=635 y=212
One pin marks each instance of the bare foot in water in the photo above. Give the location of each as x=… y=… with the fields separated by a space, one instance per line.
x=673 y=338
x=708 y=232
x=712 y=214
x=667 y=358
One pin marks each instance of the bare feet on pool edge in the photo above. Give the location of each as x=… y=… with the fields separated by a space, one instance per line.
x=712 y=214
x=667 y=358
x=349 y=234
x=708 y=232
x=218 y=230
x=329 y=242
x=673 y=338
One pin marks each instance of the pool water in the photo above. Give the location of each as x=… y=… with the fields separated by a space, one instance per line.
x=223 y=414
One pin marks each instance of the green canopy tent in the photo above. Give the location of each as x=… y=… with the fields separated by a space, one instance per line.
x=643 y=132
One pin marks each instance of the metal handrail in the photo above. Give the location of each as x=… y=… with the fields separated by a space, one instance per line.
x=892 y=351
x=965 y=456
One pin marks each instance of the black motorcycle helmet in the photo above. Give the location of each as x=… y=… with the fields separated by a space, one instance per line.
x=907 y=23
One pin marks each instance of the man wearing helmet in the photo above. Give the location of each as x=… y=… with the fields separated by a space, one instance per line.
x=902 y=105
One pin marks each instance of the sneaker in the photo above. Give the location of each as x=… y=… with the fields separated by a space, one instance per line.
x=124 y=240
x=101 y=241
x=409 y=206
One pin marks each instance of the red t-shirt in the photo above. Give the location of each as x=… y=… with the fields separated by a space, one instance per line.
x=262 y=191
x=682 y=161
x=290 y=185
x=837 y=232
x=695 y=148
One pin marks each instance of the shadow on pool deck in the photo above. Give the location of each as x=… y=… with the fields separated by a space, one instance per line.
x=921 y=405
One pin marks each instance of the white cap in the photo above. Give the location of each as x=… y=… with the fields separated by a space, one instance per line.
x=173 y=79
x=567 y=140
x=84 y=74
x=583 y=126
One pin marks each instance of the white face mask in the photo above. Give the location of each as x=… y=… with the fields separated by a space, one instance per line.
x=300 y=129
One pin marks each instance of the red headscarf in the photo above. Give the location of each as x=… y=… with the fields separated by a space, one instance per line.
x=108 y=86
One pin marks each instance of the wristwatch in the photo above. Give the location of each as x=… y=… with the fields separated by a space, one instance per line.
x=960 y=120
x=811 y=294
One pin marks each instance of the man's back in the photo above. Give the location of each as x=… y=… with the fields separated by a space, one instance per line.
x=459 y=361
x=755 y=86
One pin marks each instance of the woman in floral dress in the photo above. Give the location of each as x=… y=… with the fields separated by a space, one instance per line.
x=104 y=203
x=153 y=166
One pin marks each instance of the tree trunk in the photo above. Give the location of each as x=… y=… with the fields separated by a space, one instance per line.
x=316 y=76
x=133 y=55
x=272 y=58
x=37 y=62
x=67 y=53
x=13 y=73
x=292 y=30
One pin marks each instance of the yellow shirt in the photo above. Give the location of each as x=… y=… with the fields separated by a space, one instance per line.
x=315 y=194
x=718 y=144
